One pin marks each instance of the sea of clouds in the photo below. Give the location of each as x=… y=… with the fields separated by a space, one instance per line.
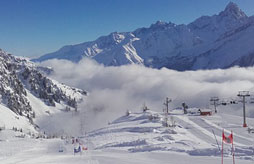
x=113 y=90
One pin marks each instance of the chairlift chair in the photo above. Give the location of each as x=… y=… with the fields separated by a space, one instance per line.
x=223 y=102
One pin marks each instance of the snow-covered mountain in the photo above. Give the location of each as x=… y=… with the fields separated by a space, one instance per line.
x=219 y=41
x=26 y=92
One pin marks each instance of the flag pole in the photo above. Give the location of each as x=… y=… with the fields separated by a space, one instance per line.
x=216 y=140
x=233 y=152
x=222 y=147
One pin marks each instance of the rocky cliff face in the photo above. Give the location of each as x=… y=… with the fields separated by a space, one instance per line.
x=18 y=76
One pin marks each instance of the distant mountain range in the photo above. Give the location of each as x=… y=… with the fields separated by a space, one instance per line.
x=219 y=41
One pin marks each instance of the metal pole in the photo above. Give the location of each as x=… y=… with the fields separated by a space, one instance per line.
x=166 y=114
x=214 y=102
x=167 y=104
x=216 y=140
x=233 y=152
x=244 y=94
x=244 y=117
x=222 y=148
x=215 y=107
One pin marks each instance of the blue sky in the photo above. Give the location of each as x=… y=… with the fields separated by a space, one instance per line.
x=35 y=27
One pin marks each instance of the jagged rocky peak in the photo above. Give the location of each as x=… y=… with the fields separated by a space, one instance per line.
x=118 y=37
x=232 y=14
x=157 y=26
x=159 y=23
x=234 y=11
x=162 y=25
x=110 y=40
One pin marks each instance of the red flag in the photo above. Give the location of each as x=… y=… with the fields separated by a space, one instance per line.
x=228 y=139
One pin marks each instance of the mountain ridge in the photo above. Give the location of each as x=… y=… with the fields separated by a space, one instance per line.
x=180 y=47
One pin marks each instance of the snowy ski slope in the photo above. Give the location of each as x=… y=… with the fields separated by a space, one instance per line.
x=141 y=138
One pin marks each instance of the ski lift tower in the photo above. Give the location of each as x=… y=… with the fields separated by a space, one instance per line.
x=214 y=101
x=167 y=103
x=243 y=95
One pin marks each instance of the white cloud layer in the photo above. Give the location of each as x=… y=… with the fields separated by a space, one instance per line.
x=113 y=90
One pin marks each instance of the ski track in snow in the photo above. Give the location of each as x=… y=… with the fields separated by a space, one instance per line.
x=196 y=130
x=238 y=139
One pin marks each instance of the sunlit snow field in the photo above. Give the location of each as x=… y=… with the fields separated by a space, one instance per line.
x=139 y=138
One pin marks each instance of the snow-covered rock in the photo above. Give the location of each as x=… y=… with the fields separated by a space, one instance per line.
x=26 y=92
